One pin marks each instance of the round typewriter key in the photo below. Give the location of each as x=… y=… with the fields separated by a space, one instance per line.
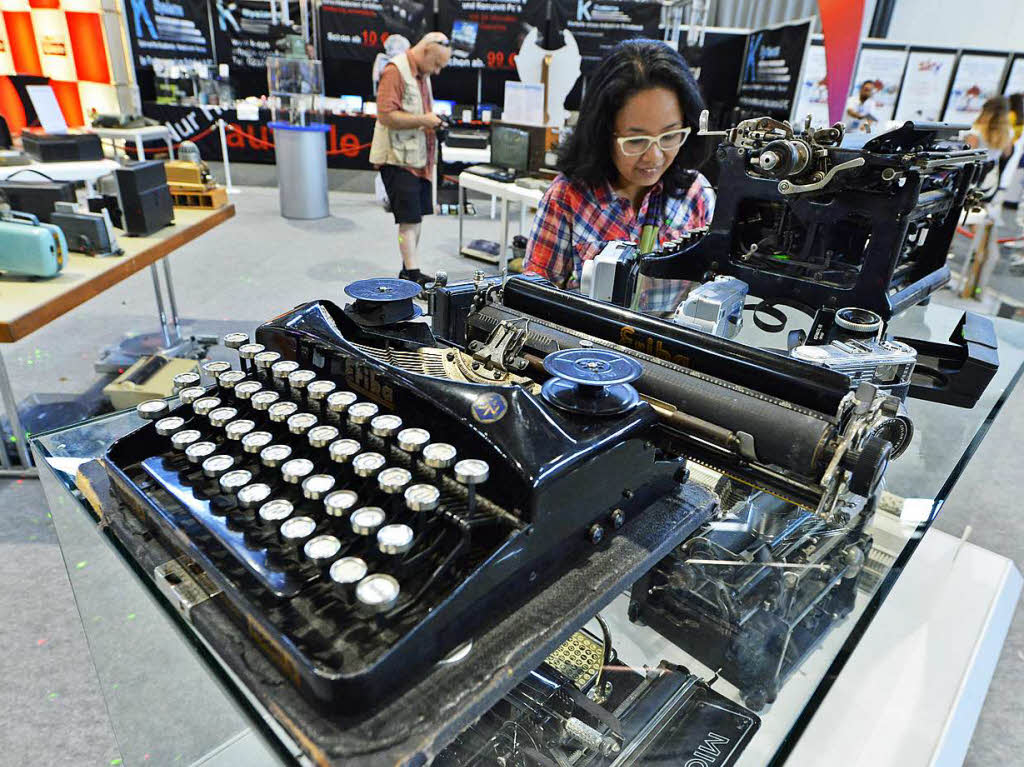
x=439 y=455
x=297 y=530
x=198 y=452
x=247 y=389
x=322 y=550
x=204 y=405
x=361 y=412
x=235 y=340
x=280 y=412
x=251 y=496
x=348 y=571
x=322 y=436
x=214 y=368
x=393 y=480
x=248 y=351
x=367 y=520
x=339 y=401
x=368 y=464
x=216 y=465
x=317 y=486
x=152 y=409
x=182 y=439
x=386 y=425
x=340 y=502
x=255 y=441
x=377 y=593
x=394 y=539
x=344 y=450
x=276 y=510
x=320 y=390
x=262 y=400
x=220 y=416
x=165 y=427
x=265 y=359
x=297 y=469
x=230 y=379
x=413 y=440
x=238 y=429
x=283 y=368
x=184 y=381
x=191 y=394
x=235 y=480
x=274 y=455
x=422 y=497
x=300 y=423
x=300 y=379
x=472 y=471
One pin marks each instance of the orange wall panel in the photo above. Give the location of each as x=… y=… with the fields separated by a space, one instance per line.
x=11 y=107
x=69 y=101
x=90 y=54
x=54 y=4
x=22 y=38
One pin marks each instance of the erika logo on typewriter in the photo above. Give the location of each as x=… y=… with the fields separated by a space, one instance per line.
x=489 y=408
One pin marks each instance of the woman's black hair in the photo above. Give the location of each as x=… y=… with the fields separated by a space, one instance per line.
x=630 y=67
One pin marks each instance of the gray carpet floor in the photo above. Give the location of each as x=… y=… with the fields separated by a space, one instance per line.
x=250 y=269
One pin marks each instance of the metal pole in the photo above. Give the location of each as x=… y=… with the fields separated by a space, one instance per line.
x=224 y=154
x=171 y=300
x=160 y=306
x=462 y=204
x=503 y=256
x=17 y=432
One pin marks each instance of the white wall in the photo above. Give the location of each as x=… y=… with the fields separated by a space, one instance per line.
x=996 y=24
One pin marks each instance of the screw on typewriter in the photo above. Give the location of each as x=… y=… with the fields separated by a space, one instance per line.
x=591 y=381
x=382 y=301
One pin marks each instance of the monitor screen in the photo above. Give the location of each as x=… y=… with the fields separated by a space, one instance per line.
x=443 y=108
x=463 y=38
x=351 y=104
x=510 y=148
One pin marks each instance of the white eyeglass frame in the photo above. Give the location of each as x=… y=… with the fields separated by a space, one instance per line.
x=652 y=139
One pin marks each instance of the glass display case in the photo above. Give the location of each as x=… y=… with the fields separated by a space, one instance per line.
x=724 y=658
x=296 y=87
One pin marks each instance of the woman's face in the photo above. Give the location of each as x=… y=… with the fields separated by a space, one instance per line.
x=649 y=112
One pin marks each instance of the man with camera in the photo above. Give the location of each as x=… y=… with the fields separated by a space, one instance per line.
x=404 y=142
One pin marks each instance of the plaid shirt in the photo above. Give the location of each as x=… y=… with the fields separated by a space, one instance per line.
x=575 y=220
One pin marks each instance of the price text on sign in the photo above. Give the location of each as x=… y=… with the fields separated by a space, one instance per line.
x=500 y=59
x=371 y=38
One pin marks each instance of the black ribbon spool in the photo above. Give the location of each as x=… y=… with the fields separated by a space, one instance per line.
x=382 y=301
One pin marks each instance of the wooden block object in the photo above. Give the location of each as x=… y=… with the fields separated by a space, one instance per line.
x=92 y=481
x=207 y=199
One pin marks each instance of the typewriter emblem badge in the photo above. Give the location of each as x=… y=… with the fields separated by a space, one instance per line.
x=489 y=408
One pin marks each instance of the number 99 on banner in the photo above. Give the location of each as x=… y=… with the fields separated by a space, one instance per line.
x=498 y=59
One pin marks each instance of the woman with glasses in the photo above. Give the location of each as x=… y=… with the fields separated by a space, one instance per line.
x=626 y=169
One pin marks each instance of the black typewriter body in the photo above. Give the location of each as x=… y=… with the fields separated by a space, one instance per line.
x=553 y=478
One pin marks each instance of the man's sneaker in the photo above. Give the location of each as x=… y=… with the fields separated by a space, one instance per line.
x=415 y=275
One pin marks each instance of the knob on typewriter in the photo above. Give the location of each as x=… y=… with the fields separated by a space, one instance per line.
x=166 y=427
x=386 y=425
x=236 y=430
x=246 y=389
x=367 y=520
x=280 y=412
x=251 y=496
x=227 y=380
x=422 y=497
x=347 y=572
x=220 y=416
x=235 y=340
x=472 y=471
x=322 y=436
x=394 y=539
x=198 y=452
x=344 y=450
x=362 y=413
x=300 y=423
x=320 y=390
x=216 y=465
x=413 y=440
x=184 y=381
x=152 y=409
x=394 y=480
x=340 y=502
x=300 y=379
x=262 y=400
x=182 y=439
x=283 y=368
x=339 y=401
x=439 y=455
x=377 y=593
x=273 y=456
x=233 y=481
x=317 y=486
x=214 y=368
x=191 y=394
x=322 y=550
x=368 y=464
x=296 y=470
x=276 y=510
x=255 y=441
x=591 y=381
x=265 y=359
x=294 y=532
x=204 y=405
x=248 y=351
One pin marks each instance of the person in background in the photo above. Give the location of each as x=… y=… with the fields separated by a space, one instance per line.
x=858 y=115
x=1016 y=115
x=627 y=168
x=993 y=133
x=404 y=146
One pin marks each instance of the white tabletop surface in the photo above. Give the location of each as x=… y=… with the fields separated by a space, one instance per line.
x=86 y=170
x=505 y=190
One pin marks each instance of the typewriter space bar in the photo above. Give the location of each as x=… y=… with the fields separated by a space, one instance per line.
x=282 y=584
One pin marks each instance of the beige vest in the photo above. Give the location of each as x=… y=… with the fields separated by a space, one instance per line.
x=406 y=148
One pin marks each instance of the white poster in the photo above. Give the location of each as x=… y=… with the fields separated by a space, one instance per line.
x=813 y=97
x=1015 y=82
x=884 y=68
x=977 y=79
x=925 y=85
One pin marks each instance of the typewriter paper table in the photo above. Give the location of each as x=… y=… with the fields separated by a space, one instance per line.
x=169 y=695
x=27 y=304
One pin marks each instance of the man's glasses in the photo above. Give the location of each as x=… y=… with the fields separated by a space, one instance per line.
x=667 y=142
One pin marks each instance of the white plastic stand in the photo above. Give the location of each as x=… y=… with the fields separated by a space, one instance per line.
x=231 y=188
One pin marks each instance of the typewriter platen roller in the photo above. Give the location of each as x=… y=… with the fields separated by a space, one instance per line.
x=363 y=518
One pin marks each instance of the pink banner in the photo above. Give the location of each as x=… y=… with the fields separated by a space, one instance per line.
x=840 y=24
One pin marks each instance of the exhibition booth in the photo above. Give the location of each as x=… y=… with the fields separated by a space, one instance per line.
x=685 y=434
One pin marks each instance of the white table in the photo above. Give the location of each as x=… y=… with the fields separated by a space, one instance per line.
x=507 y=193
x=139 y=135
x=86 y=170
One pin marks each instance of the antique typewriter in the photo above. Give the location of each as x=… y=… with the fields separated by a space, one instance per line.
x=362 y=512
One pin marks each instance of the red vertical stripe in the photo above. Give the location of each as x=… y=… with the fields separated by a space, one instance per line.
x=11 y=107
x=70 y=102
x=840 y=24
x=86 y=34
x=23 y=43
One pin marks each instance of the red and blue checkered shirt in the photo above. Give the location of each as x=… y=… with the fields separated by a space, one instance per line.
x=575 y=220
